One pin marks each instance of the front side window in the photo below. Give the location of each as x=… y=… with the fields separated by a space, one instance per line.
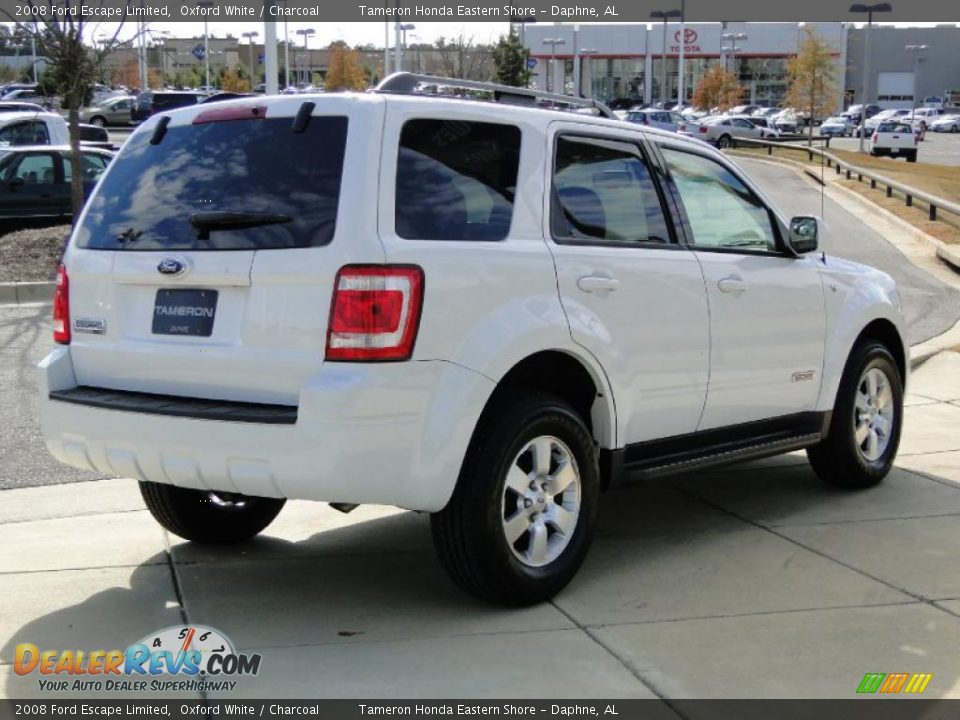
x=456 y=180
x=723 y=213
x=33 y=170
x=603 y=191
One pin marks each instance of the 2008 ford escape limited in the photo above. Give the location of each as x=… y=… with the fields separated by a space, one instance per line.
x=488 y=311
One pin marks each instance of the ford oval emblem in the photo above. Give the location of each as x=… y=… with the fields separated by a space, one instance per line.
x=171 y=266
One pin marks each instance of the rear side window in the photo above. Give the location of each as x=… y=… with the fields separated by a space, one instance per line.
x=162 y=197
x=456 y=180
x=603 y=192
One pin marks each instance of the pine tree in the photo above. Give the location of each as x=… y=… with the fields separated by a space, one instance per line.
x=510 y=60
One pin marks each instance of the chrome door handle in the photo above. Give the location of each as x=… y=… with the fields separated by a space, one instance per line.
x=597 y=283
x=732 y=285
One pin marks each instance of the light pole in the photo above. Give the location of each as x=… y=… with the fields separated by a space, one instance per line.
x=164 y=35
x=732 y=38
x=404 y=28
x=286 y=52
x=865 y=94
x=586 y=53
x=917 y=51
x=552 y=42
x=205 y=6
x=681 y=80
x=306 y=33
x=664 y=15
x=250 y=36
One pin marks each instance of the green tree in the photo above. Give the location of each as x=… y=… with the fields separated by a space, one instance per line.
x=510 y=60
x=812 y=74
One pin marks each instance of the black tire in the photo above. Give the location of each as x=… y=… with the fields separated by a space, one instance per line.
x=469 y=533
x=724 y=142
x=208 y=517
x=912 y=157
x=839 y=460
x=98 y=121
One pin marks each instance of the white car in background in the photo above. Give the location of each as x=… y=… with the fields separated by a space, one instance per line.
x=724 y=130
x=946 y=123
x=894 y=138
x=837 y=125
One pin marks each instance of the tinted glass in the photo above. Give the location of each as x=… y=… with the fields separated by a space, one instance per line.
x=92 y=164
x=456 y=180
x=243 y=166
x=25 y=133
x=33 y=170
x=602 y=190
x=722 y=211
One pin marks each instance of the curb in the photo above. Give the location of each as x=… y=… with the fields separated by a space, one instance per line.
x=24 y=293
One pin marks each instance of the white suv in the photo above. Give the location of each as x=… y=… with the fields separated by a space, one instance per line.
x=485 y=311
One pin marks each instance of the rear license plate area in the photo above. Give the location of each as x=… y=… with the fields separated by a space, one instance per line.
x=184 y=312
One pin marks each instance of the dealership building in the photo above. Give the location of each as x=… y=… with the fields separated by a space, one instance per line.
x=641 y=61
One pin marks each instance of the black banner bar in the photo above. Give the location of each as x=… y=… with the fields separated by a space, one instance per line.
x=460 y=11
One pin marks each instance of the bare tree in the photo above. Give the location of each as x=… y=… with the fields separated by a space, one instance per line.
x=460 y=58
x=60 y=28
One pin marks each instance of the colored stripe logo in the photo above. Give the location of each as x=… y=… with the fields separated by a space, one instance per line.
x=892 y=683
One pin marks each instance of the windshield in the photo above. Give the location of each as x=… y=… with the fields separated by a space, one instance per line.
x=221 y=170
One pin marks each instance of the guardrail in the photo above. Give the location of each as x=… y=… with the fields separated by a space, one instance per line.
x=934 y=203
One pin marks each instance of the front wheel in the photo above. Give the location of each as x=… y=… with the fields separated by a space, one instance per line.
x=207 y=516
x=98 y=121
x=724 y=142
x=521 y=519
x=867 y=418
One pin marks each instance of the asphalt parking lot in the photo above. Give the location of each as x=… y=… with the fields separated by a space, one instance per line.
x=937 y=148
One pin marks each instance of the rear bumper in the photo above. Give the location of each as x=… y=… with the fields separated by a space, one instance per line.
x=385 y=433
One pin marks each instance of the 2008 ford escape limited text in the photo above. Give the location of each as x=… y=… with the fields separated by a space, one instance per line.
x=487 y=311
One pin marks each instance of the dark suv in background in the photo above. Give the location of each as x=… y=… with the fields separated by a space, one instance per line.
x=149 y=102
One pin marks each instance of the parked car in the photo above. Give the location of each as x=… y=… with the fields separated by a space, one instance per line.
x=854 y=112
x=946 y=123
x=35 y=181
x=662 y=119
x=724 y=130
x=13 y=87
x=151 y=102
x=786 y=121
x=838 y=125
x=894 y=138
x=7 y=107
x=94 y=136
x=872 y=122
x=935 y=101
x=744 y=109
x=922 y=118
x=112 y=111
x=234 y=327
x=30 y=95
x=33 y=128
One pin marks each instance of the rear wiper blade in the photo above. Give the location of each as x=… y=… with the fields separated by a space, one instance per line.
x=204 y=222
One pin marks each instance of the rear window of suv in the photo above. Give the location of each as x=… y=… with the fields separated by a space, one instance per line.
x=156 y=197
x=456 y=180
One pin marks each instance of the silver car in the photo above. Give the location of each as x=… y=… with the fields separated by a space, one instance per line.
x=114 y=111
x=724 y=130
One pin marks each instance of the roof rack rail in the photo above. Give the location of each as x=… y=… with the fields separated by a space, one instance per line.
x=405 y=83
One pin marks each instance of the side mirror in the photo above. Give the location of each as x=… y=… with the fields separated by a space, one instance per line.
x=15 y=183
x=803 y=235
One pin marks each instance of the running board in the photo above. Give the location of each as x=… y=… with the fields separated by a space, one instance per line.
x=718 y=446
x=750 y=452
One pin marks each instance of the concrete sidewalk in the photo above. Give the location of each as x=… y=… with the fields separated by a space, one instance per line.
x=751 y=581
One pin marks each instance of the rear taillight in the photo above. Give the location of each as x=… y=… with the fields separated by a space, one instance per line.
x=61 y=308
x=703 y=129
x=875 y=137
x=375 y=312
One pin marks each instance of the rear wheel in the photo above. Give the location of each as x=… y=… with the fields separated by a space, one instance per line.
x=521 y=519
x=98 y=121
x=724 y=141
x=912 y=157
x=865 y=428
x=206 y=516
